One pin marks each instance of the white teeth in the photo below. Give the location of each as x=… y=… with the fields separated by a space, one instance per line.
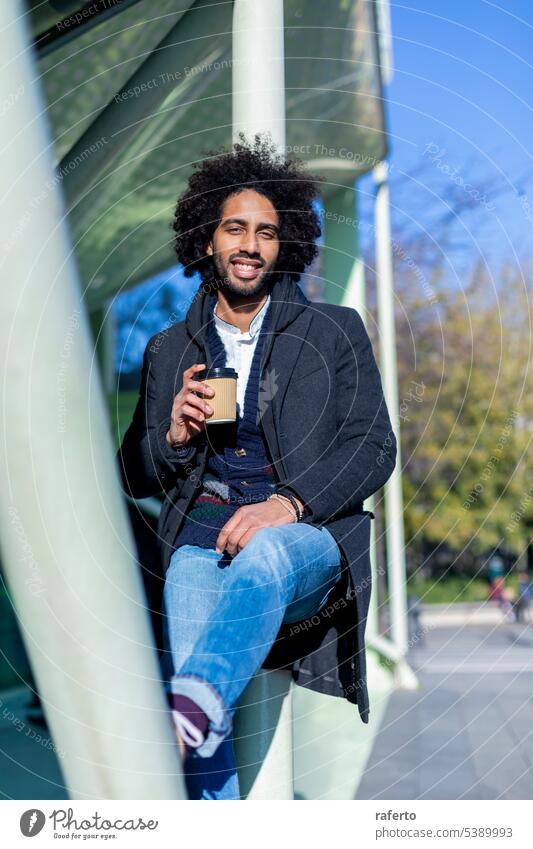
x=244 y=267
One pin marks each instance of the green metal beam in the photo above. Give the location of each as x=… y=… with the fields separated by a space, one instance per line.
x=87 y=17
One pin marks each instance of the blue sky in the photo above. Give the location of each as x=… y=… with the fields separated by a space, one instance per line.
x=462 y=85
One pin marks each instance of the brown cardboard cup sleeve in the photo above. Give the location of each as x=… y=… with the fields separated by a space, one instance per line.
x=224 y=401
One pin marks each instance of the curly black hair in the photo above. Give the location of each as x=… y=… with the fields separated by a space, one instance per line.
x=258 y=166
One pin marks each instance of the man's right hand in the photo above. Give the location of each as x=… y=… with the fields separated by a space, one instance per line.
x=189 y=411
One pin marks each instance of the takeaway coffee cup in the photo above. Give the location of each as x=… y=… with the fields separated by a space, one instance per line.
x=224 y=401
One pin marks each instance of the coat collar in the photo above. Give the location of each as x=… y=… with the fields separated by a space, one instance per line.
x=287 y=302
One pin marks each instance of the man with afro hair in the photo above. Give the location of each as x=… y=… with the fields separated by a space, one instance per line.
x=263 y=535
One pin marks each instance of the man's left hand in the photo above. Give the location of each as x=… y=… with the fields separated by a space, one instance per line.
x=239 y=530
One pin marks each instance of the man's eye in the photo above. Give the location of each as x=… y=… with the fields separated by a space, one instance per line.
x=234 y=230
x=268 y=234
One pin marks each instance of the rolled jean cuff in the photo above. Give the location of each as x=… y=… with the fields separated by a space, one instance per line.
x=206 y=697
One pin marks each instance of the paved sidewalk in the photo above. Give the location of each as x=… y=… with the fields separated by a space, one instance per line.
x=467 y=733
x=464 y=613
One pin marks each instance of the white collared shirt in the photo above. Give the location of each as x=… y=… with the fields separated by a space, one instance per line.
x=240 y=347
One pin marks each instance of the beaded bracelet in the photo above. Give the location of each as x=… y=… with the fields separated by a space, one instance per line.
x=297 y=511
x=283 y=501
x=292 y=499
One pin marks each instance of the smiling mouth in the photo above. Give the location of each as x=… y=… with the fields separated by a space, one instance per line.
x=247 y=269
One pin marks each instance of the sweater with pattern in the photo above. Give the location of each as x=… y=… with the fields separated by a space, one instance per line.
x=238 y=469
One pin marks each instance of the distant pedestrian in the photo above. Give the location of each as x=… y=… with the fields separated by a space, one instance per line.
x=508 y=598
x=414 y=611
x=523 y=599
x=496 y=588
x=495 y=568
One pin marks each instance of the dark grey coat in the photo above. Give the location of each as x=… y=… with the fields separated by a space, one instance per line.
x=326 y=423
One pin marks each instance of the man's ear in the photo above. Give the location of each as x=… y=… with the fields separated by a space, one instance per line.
x=209 y=248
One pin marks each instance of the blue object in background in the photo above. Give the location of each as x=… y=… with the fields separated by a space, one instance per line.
x=140 y=312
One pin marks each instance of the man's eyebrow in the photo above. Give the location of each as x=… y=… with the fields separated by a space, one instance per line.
x=243 y=223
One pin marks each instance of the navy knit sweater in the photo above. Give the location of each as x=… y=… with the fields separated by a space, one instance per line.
x=238 y=469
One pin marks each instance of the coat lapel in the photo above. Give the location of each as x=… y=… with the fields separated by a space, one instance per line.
x=285 y=351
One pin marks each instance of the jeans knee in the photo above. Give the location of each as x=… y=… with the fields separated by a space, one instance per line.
x=266 y=544
x=262 y=558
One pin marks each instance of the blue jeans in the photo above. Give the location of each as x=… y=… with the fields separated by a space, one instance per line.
x=222 y=616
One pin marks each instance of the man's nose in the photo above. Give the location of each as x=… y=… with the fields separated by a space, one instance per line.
x=250 y=244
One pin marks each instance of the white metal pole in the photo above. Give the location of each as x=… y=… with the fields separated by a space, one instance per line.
x=387 y=339
x=263 y=721
x=355 y=297
x=67 y=546
x=263 y=737
x=259 y=69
